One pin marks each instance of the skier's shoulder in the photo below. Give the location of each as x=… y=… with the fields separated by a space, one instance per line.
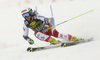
x=26 y=22
x=39 y=15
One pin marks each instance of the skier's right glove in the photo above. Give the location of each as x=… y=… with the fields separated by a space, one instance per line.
x=29 y=40
x=45 y=29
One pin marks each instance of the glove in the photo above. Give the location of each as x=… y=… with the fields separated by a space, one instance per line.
x=45 y=29
x=30 y=41
x=46 y=21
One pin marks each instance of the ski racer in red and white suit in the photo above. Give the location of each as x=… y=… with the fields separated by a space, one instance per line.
x=39 y=24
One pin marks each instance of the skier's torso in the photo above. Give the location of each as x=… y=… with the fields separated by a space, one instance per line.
x=34 y=24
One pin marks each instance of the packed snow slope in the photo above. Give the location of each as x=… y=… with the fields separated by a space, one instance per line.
x=13 y=46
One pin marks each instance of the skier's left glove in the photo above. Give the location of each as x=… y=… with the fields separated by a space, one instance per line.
x=45 y=28
x=29 y=40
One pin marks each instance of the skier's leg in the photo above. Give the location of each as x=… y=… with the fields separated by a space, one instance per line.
x=43 y=37
x=57 y=34
x=67 y=37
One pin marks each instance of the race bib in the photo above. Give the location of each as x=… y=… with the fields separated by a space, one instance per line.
x=41 y=36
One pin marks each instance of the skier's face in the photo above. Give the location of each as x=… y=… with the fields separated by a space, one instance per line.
x=28 y=18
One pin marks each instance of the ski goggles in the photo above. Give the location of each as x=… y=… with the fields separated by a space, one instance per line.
x=26 y=15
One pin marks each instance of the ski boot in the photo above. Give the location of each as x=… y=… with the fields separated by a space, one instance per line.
x=75 y=39
x=53 y=41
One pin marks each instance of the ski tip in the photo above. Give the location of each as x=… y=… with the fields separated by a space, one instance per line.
x=91 y=39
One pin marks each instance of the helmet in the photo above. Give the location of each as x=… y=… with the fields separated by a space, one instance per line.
x=27 y=12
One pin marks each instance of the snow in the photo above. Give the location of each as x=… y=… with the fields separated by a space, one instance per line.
x=14 y=47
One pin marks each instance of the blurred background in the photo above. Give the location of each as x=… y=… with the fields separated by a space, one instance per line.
x=11 y=20
x=24 y=3
x=13 y=46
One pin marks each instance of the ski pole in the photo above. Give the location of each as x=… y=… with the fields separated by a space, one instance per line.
x=71 y=19
x=51 y=10
x=36 y=8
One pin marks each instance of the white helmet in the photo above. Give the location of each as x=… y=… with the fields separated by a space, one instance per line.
x=27 y=12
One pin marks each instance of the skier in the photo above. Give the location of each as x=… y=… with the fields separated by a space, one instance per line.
x=40 y=24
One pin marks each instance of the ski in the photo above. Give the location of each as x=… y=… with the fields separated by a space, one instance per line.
x=32 y=49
